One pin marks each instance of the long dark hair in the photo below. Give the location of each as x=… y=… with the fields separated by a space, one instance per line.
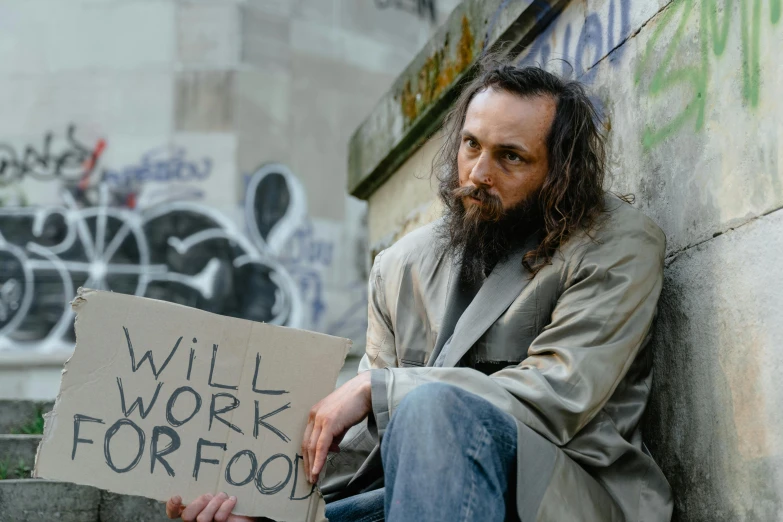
x=572 y=196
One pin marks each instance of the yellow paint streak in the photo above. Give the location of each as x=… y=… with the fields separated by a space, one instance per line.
x=439 y=71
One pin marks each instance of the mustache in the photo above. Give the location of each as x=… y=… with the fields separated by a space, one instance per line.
x=491 y=208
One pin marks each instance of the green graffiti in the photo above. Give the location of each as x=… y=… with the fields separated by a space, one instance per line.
x=664 y=79
x=719 y=37
x=774 y=11
x=751 y=68
x=713 y=36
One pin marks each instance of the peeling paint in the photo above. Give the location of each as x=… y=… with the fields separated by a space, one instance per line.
x=439 y=71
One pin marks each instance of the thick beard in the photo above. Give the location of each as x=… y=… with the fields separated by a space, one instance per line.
x=482 y=235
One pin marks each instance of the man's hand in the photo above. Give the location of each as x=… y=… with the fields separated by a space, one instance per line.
x=205 y=508
x=330 y=419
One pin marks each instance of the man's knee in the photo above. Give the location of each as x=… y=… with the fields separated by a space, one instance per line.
x=428 y=402
x=427 y=410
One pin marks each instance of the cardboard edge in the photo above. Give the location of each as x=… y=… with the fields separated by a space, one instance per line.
x=317 y=512
x=50 y=418
x=82 y=294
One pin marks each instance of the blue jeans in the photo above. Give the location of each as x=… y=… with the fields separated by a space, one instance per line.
x=447 y=455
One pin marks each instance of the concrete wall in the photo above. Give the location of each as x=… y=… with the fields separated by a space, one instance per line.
x=691 y=94
x=192 y=151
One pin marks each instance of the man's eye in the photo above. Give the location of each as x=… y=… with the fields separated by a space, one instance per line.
x=471 y=143
x=510 y=156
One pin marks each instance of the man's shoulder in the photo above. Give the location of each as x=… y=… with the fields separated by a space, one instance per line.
x=621 y=224
x=413 y=248
x=622 y=218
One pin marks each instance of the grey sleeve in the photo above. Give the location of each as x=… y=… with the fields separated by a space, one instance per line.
x=380 y=352
x=380 y=403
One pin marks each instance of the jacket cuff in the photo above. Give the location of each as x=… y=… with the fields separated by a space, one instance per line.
x=380 y=403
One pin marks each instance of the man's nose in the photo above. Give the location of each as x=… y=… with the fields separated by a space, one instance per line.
x=481 y=173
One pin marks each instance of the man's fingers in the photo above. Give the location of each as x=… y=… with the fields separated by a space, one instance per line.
x=174 y=507
x=311 y=454
x=305 y=457
x=321 y=451
x=194 y=508
x=305 y=442
x=208 y=513
x=225 y=509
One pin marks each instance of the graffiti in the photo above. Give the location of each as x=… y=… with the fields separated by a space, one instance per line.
x=572 y=45
x=152 y=197
x=422 y=8
x=713 y=39
x=179 y=251
x=541 y=9
x=329 y=306
x=578 y=53
x=350 y=322
x=305 y=257
x=161 y=165
x=10 y=298
x=275 y=203
x=305 y=248
x=72 y=163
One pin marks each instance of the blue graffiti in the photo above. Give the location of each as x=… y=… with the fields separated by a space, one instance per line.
x=161 y=165
x=311 y=289
x=594 y=42
x=305 y=248
x=423 y=8
x=305 y=256
x=540 y=7
x=308 y=258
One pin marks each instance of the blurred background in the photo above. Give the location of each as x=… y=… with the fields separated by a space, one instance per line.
x=191 y=151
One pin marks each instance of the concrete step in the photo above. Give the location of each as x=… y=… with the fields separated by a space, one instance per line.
x=33 y=500
x=15 y=414
x=124 y=508
x=43 y=500
x=16 y=450
x=36 y=500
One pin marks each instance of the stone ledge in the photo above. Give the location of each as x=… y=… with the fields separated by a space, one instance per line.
x=420 y=97
x=30 y=375
x=25 y=359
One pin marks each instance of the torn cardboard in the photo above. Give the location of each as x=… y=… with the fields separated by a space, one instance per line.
x=159 y=400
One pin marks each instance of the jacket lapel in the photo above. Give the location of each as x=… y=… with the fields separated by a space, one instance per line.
x=458 y=298
x=503 y=285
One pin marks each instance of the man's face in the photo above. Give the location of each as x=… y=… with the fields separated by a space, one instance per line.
x=503 y=153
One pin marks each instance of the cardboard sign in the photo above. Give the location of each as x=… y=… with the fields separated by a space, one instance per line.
x=159 y=400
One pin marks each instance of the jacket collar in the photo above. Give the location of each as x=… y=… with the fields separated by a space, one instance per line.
x=469 y=315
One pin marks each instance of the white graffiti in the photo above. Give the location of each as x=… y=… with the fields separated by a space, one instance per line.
x=181 y=251
x=10 y=298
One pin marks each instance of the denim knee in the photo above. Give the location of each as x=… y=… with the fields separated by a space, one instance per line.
x=430 y=401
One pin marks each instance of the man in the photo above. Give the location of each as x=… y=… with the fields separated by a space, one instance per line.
x=507 y=366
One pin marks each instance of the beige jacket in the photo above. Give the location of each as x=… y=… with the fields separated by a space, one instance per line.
x=570 y=349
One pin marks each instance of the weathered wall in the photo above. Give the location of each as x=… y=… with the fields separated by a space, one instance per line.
x=691 y=94
x=191 y=151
